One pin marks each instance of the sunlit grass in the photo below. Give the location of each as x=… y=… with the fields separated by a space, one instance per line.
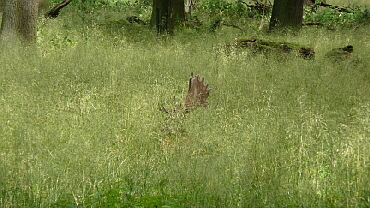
x=348 y=2
x=81 y=126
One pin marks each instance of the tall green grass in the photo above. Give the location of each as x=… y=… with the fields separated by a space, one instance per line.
x=80 y=123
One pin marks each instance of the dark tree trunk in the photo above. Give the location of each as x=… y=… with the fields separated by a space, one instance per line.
x=19 y=21
x=287 y=14
x=166 y=14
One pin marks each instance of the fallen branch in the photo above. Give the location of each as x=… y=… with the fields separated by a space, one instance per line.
x=268 y=47
x=316 y=23
x=54 y=12
x=135 y=19
x=312 y=23
x=231 y=25
x=218 y=23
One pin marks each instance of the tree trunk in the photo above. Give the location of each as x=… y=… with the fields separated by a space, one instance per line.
x=43 y=5
x=286 y=14
x=19 y=21
x=166 y=14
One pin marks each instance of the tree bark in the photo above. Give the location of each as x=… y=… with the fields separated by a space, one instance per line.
x=166 y=14
x=19 y=21
x=287 y=14
x=43 y=5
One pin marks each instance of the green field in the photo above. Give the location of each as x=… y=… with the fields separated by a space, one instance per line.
x=80 y=124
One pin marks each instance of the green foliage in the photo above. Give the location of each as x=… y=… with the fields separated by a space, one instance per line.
x=232 y=8
x=122 y=194
x=217 y=7
x=338 y=15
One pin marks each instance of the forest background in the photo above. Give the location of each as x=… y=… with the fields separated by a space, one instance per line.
x=82 y=121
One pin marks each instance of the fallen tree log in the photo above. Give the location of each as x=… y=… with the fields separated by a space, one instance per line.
x=269 y=47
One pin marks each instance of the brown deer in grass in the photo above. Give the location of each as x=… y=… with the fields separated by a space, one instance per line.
x=198 y=92
x=173 y=125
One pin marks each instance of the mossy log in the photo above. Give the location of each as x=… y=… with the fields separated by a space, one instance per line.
x=341 y=54
x=279 y=48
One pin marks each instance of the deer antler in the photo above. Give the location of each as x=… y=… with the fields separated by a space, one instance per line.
x=197 y=93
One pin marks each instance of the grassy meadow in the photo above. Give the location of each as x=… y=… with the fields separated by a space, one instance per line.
x=348 y=2
x=80 y=124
